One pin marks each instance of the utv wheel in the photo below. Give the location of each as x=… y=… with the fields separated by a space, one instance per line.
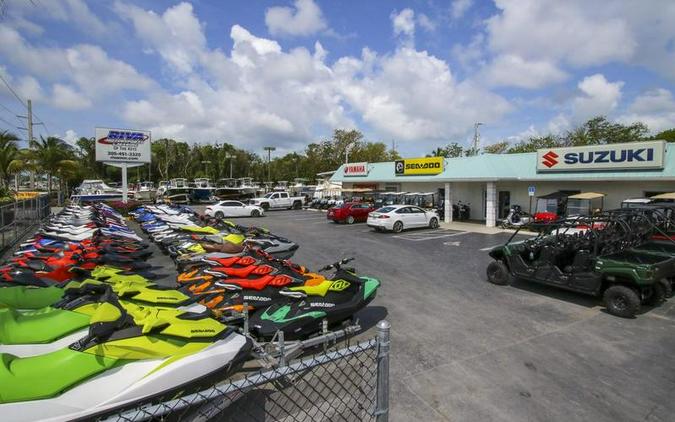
x=657 y=296
x=255 y=213
x=622 y=301
x=219 y=214
x=433 y=223
x=398 y=227
x=350 y=220
x=498 y=274
x=667 y=287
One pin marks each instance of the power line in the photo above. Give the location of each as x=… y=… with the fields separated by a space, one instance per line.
x=11 y=125
x=23 y=103
x=14 y=113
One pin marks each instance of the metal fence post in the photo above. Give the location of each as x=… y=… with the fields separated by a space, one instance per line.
x=2 y=225
x=383 y=343
x=16 y=212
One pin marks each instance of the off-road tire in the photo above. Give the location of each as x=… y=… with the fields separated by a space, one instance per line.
x=657 y=296
x=255 y=213
x=498 y=273
x=433 y=223
x=219 y=214
x=265 y=206
x=398 y=227
x=667 y=287
x=297 y=205
x=350 y=219
x=621 y=301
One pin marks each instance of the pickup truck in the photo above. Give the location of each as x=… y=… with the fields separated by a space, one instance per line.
x=278 y=200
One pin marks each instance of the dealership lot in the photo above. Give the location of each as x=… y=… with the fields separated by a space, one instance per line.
x=463 y=349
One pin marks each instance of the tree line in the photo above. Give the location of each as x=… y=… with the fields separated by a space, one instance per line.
x=596 y=131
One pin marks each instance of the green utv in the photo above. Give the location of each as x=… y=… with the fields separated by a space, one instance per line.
x=611 y=256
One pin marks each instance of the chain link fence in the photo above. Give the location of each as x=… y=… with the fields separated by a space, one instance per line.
x=347 y=384
x=21 y=217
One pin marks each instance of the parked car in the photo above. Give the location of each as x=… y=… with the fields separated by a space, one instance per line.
x=399 y=217
x=225 y=209
x=350 y=212
x=278 y=200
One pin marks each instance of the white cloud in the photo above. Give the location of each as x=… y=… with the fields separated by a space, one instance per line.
x=597 y=97
x=512 y=70
x=67 y=98
x=459 y=8
x=70 y=136
x=426 y=22
x=655 y=108
x=75 y=12
x=403 y=23
x=304 y=19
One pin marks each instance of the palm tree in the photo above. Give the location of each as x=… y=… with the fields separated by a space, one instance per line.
x=8 y=152
x=52 y=155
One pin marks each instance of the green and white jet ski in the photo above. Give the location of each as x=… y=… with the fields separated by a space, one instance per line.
x=130 y=355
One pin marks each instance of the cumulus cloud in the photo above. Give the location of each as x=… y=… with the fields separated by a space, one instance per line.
x=303 y=19
x=403 y=23
x=512 y=70
x=67 y=98
x=426 y=22
x=655 y=108
x=597 y=97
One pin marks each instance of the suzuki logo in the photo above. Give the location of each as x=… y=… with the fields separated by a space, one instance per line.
x=549 y=159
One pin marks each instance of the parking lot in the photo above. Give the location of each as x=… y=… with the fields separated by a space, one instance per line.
x=466 y=350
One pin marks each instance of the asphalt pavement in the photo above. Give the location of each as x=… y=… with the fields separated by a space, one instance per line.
x=465 y=350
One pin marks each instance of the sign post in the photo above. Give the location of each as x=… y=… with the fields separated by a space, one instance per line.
x=530 y=193
x=123 y=148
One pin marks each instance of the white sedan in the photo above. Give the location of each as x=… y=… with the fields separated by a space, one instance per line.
x=399 y=217
x=226 y=209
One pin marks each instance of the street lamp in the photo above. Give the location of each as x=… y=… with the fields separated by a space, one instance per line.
x=269 y=162
x=347 y=149
x=231 y=158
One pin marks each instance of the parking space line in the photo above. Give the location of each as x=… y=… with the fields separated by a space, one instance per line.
x=491 y=247
x=413 y=239
x=310 y=218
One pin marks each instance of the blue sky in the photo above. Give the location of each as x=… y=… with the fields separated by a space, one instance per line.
x=286 y=73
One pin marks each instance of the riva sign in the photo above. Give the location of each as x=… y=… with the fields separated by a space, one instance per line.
x=632 y=156
x=356 y=169
x=122 y=145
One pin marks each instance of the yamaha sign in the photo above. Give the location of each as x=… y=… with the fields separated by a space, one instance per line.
x=356 y=169
x=632 y=156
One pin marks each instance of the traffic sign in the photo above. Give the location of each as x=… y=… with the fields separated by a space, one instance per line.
x=530 y=190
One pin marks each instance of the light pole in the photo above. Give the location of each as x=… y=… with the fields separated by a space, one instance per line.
x=206 y=168
x=269 y=162
x=476 y=137
x=347 y=149
x=231 y=158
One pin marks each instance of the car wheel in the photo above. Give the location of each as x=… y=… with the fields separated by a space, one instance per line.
x=350 y=220
x=265 y=206
x=297 y=205
x=433 y=223
x=219 y=214
x=657 y=295
x=398 y=227
x=621 y=301
x=255 y=213
x=667 y=287
x=498 y=273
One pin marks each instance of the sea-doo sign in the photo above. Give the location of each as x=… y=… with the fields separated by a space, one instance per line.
x=122 y=145
x=630 y=156
x=356 y=169
x=418 y=166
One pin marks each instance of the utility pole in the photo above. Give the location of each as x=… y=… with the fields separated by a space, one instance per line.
x=166 y=155
x=476 y=137
x=29 y=128
x=269 y=162
x=347 y=148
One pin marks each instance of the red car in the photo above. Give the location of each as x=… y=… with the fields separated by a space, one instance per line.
x=350 y=212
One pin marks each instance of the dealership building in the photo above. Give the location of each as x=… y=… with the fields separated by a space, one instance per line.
x=492 y=183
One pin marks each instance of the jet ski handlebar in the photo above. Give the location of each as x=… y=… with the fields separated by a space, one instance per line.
x=336 y=265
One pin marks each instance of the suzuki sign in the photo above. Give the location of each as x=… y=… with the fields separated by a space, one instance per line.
x=632 y=156
x=122 y=146
x=356 y=169
x=418 y=166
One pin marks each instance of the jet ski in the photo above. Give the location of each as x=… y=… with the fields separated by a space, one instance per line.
x=335 y=300
x=129 y=355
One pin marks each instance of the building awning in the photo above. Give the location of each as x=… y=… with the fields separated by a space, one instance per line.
x=555 y=195
x=669 y=195
x=587 y=195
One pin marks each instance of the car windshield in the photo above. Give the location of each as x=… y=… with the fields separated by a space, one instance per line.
x=385 y=210
x=269 y=195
